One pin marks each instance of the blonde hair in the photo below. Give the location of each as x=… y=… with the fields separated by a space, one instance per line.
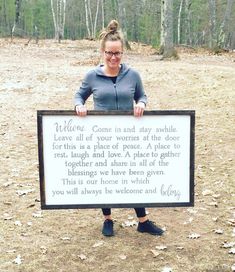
x=111 y=33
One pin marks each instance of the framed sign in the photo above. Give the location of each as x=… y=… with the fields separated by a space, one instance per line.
x=113 y=159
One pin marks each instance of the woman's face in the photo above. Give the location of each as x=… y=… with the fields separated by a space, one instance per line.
x=112 y=54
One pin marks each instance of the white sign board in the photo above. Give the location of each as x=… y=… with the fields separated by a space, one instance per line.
x=115 y=159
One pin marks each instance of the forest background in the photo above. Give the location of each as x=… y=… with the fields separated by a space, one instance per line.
x=195 y=23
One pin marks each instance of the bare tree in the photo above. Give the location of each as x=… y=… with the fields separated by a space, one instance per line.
x=188 y=33
x=167 y=29
x=232 y=46
x=138 y=8
x=87 y=19
x=58 y=9
x=91 y=24
x=17 y=16
x=179 y=22
x=4 y=13
x=96 y=18
x=18 y=4
x=162 y=39
x=224 y=25
x=122 y=19
x=212 y=23
x=102 y=12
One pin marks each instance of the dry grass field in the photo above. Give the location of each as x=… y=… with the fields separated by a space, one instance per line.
x=197 y=239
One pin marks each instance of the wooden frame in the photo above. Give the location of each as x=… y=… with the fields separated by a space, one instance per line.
x=174 y=171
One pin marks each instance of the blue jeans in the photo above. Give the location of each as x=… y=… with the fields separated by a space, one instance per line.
x=140 y=212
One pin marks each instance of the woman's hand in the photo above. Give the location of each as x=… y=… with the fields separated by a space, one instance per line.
x=81 y=110
x=139 y=109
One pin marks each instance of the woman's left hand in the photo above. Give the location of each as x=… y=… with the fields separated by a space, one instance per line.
x=139 y=109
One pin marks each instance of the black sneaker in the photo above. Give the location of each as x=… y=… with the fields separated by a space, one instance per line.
x=149 y=227
x=108 y=228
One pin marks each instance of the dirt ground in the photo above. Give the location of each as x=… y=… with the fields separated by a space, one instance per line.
x=197 y=239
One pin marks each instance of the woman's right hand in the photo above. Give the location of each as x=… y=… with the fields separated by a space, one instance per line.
x=81 y=110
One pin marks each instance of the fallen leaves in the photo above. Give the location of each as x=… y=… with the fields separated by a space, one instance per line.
x=218 y=231
x=6 y=216
x=98 y=244
x=155 y=253
x=24 y=192
x=179 y=247
x=232 y=251
x=228 y=245
x=18 y=260
x=190 y=220
x=167 y=269
x=10 y=251
x=207 y=192
x=66 y=238
x=37 y=214
x=43 y=250
x=231 y=222
x=8 y=203
x=129 y=223
x=18 y=223
x=122 y=257
x=192 y=211
x=161 y=247
x=213 y=203
x=82 y=257
x=194 y=236
x=7 y=184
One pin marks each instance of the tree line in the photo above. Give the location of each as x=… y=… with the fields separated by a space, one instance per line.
x=196 y=23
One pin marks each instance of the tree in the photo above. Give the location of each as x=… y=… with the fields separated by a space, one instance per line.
x=224 y=25
x=102 y=12
x=18 y=4
x=179 y=22
x=212 y=24
x=188 y=4
x=163 y=26
x=138 y=7
x=122 y=19
x=87 y=19
x=91 y=23
x=17 y=16
x=167 y=29
x=4 y=13
x=58 y=13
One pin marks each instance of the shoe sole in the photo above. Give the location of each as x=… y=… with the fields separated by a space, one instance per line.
x=107 y=235
x=152 y=233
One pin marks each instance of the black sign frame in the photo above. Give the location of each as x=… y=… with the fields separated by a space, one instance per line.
x=43 y=182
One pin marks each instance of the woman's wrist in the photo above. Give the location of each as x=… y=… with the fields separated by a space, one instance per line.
x=81 y=110
x=141 y=104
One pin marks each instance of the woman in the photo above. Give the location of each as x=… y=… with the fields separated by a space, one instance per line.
x=115 y=86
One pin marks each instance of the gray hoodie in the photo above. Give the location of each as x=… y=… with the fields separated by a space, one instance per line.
x=108 y=95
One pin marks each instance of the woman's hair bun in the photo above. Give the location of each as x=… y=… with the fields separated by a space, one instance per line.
x=111 y=33
x=113 y=26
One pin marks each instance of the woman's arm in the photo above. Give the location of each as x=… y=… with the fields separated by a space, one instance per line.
x=139 y=97
x=82 y=95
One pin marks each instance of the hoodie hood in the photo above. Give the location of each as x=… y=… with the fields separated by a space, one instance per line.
x=99 y=70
